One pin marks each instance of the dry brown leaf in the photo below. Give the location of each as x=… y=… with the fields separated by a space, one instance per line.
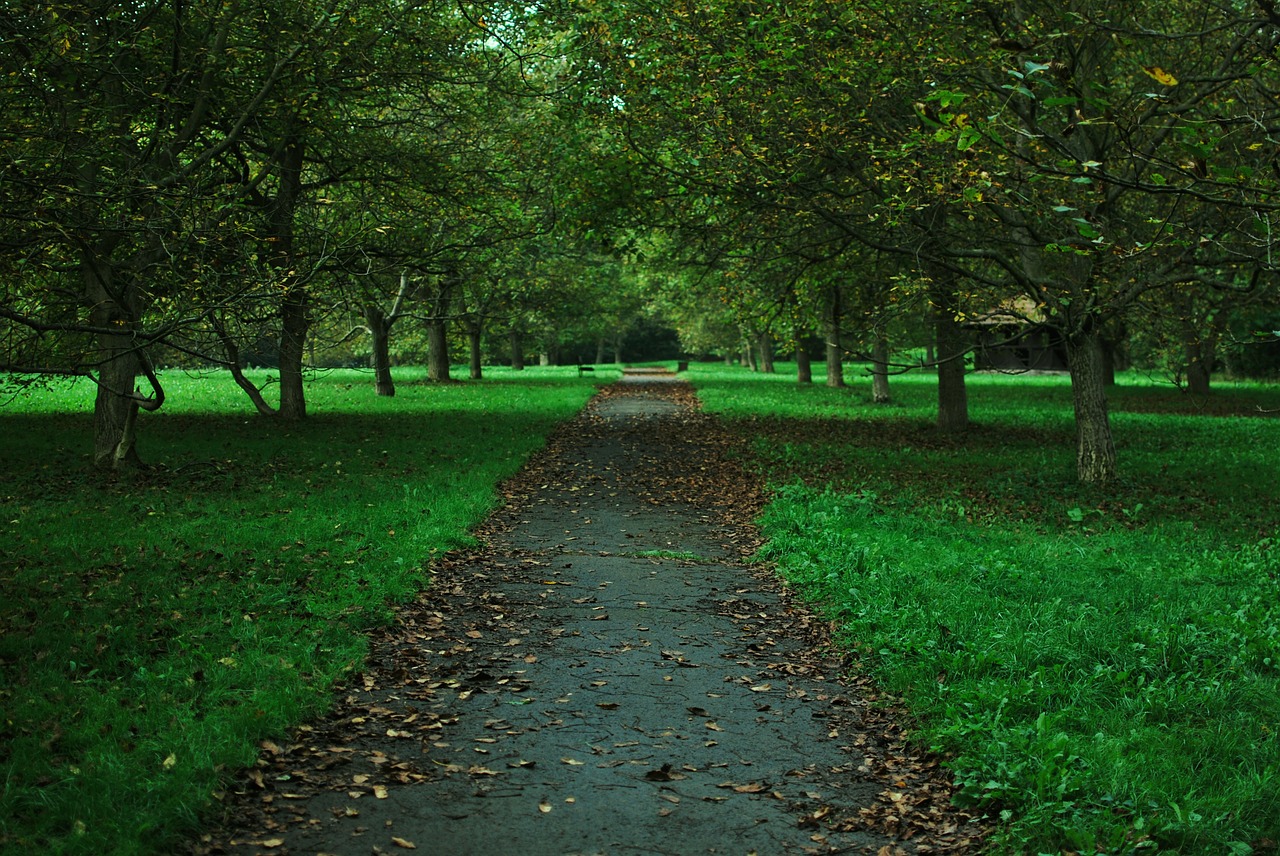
x=403 y=842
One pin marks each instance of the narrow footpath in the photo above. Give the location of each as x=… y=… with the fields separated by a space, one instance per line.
x=607 y=675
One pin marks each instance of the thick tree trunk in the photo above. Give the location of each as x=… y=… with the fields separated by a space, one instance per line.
x=804 y=370
x=600 y=343
x=764 y=343
x=1095 y=448
x=880 y=371
x=380 y=359
x=437 y=351
x=294 y=322
x=114 y=408
x=516 y=343
x=1199 y=353
x=833 y=317
x=617 y=349
x=475 y=331
x=952 y=344
x=114 y=411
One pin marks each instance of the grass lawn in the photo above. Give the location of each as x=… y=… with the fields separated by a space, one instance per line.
x=1100 y=665
x=154 y=629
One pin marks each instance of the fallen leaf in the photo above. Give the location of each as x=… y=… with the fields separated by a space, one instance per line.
x=380 y=791
x=271 y=842
x=544 y=807
x=664 y=774
x=714 y=727
x=403 y=842
x=572 y=762
x=607 y=705
x=752 y=788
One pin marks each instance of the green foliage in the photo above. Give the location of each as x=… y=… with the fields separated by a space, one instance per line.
x=1099 y=667
x=155 y=629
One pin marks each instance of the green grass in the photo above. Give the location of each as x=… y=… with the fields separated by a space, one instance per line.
x=153 y=629
x=1100 y=666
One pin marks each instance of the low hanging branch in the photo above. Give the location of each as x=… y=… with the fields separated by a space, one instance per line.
x=232 y=364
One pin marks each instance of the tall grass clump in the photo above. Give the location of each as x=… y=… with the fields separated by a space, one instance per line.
x=1099 y=666
x=154 y=628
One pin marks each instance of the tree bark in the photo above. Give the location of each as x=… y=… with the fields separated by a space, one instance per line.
x=600 y=343
x=380 y=358
x=1095 y=447
x=114 y=408
x=438 y=332
x=952 y=344
x=437 y=351
x=295 y=317
x=475 y=331
x=765 y=345
x=804 y=369
x=1199 y=353
x=516 y=341
x=833 y=316
x=880 y=371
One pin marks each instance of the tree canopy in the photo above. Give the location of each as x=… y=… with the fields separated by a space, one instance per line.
x=187 y=180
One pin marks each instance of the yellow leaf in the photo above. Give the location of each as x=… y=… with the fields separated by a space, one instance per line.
x=170 y=762
x=1160 y=75
x=403 y=842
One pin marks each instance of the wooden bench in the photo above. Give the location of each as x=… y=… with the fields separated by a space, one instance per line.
x=585 y=370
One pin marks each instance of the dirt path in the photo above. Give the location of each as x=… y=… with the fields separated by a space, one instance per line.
x=606 y=676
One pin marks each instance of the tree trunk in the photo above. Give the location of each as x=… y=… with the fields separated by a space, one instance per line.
x=294 y=321
x=617 y=349
x=952 y=344
x=880 y=371
x=437 y=351
x=600 y=342
x=804 y=371
x=1198 y=351
x=295 y=318
x=114 y=409
x=765 y=344
x=380 y=331
x=1095 y=448
x=437 y=325
x=833 y=316
x=517 y=350
x=475 y=331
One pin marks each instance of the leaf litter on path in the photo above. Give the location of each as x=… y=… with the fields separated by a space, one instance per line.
x=502 y=675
